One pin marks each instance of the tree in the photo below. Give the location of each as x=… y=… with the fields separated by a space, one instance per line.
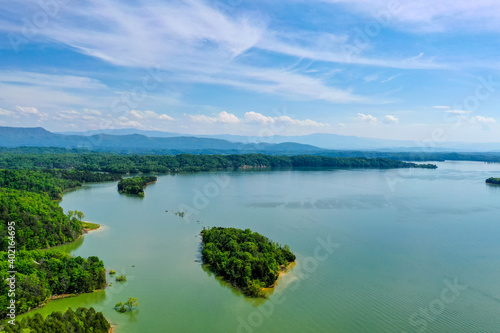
x=80 y=215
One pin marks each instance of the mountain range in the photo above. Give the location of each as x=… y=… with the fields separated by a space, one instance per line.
x=130 y=143
x=319 y=140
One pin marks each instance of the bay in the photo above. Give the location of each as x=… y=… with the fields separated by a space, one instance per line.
x=413 y=250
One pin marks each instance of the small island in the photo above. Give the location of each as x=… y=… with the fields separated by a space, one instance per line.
x=493 y=181
x=246 y=259
x=135 y=185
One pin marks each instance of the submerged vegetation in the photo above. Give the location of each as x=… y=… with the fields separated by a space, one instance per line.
x=246 y=259
x=494 y=181
x=129 y=305
x=120 y=278
x=135 y=185
x=82 y=320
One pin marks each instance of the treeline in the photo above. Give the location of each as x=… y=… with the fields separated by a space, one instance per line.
x=135 y=185
x=53 y=182
x=39 y=221
x=495 y=181
x=246 y=259
x=82 y=321
x=122 y=164
x=41 y=274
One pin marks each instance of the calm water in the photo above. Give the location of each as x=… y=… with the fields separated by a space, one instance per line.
x=378 y=251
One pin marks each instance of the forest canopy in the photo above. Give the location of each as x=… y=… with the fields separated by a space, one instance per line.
x=246 y=259
x=42 y=274
x=123 y=164
x=82 y=320
x=39 y=221
x=53 y=182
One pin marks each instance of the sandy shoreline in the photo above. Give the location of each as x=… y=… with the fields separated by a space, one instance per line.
x=283 y=271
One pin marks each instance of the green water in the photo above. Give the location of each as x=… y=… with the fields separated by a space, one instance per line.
x=400 y=238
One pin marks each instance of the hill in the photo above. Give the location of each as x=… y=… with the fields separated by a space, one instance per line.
x=11 y=137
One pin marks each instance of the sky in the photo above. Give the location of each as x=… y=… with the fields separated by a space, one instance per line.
x=420 y=70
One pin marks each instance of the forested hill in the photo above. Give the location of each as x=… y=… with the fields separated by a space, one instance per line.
x=114 y=163
x=136 y=143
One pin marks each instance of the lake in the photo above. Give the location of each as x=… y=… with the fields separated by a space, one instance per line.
x=412 y=250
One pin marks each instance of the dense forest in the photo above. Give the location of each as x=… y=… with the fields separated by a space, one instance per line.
x=494 y=181
x=53 y=182
x=41 y=274
x=246 y=259
x=122 y=164
x=82 y=321
x=39 y=221
x=135 y=185
x=27 y=202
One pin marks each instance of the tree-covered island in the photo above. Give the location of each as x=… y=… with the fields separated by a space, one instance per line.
x=246 y=259
x=493 y=181
x=135 y=185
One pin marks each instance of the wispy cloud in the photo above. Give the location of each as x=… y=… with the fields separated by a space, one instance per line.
x=199 y=44
x=432 y=16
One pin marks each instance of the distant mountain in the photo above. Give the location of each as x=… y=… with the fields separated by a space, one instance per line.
x=39 y=137
x=126 y=131
x=322 y=140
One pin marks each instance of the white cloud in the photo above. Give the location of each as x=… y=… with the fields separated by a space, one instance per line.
x=441 y=107
x=458 y=111
x=92 y=112
x=367 y=118
x=227 y=118
x=4 y=112
x=222 y=118
x=68 y=114
x=254 y=117
x=482 y=120
x=391 y=119
x=149 y=115
x=27 y=110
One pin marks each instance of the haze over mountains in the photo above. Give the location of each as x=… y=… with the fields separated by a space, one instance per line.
x=134 y=141
x=319 y=140
x=39 y=137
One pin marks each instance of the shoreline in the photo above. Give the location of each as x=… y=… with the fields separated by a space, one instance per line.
x=283 y=272
x=88 y=230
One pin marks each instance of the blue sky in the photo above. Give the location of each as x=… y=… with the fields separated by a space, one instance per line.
x=414 y=70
